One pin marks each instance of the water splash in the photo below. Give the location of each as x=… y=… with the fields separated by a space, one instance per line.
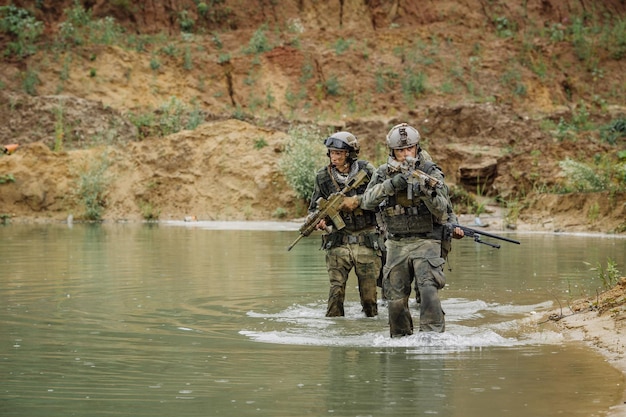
x=471 y=324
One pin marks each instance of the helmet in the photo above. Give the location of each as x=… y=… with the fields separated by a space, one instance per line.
x=402 y=136
x=343 y=141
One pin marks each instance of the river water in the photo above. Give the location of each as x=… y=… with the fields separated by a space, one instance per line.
x=198 y=319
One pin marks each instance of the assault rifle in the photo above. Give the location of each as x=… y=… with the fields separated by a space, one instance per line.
x=414 y=175
x=448 y=228
x=329 y=208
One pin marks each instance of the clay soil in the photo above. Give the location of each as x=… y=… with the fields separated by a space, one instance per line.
x=494 y=87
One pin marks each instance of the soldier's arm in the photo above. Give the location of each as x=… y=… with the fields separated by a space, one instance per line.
x=438 y=201
x=452 y=215
x=377 y=190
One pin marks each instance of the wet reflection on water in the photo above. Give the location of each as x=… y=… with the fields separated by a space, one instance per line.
x=195 y=320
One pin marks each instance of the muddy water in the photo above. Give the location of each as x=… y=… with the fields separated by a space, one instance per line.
x=193 y=319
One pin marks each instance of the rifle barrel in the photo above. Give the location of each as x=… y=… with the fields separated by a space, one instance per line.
x=294 y=242
x=506 y=239
x=491 y=235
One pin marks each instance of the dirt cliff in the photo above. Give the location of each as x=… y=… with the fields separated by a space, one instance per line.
x=501 y=91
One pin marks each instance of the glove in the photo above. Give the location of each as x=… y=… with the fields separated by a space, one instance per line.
x=349 y=203
x=417 y=190
x=399 y=182
x=425 y=193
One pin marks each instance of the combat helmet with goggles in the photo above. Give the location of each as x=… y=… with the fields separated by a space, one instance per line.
x=343 y=141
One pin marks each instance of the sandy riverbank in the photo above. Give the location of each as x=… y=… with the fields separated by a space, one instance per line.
x=600 y=323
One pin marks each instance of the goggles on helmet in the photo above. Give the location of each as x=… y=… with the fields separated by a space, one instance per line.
x=334 y=143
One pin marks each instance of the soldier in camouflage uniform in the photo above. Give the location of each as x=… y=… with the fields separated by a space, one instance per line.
x=357 y=245
x=413 y=217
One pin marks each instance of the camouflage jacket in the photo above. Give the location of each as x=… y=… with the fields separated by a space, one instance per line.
x=325 y=185
x=380 y=192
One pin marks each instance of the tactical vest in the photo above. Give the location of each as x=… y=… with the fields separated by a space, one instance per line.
x=407 y=218
x=358 y=219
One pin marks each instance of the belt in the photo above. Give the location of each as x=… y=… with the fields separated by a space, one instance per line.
x=352 y=239
x=398 y=210
x=398 y=236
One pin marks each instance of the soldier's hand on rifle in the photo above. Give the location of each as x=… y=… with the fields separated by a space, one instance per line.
x=417 y=188
x=321 y=225
x=349 y=204
x=458 y=233
x=424 y=191
x=399 y=182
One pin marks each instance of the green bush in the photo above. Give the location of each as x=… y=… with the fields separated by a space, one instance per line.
x=613 y=131
x=149 y=212
x=91 y=188
x=615 y=38
x=279 y=213
x=342 y=45
x=581 y=39
x=332 y=86
x=603 y=174
x=413 y=84
x=171 y=117
x=259 y=42
x=79 y=28
x=23 y=29
x=386 y=80
x=216 y=12
x=30 y=82
x=504 y=27
x=304 y=155
x=185 y=21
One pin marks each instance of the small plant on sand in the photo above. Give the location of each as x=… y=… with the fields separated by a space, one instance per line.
x=259 y=42
x=511 y=213
x=260 y=143
x=149 y=212
x=279 y=213
x=614 y=130
x=91 y=187
x=6 y=178
x=610 y=275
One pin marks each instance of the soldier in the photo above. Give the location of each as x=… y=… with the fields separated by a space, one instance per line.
x=357 y=245
x=413 y=216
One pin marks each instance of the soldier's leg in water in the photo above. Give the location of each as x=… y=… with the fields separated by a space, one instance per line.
x=338 y=265
x=379 y=280
x=429 y=279
x=432 y=316
x=418 y=299
x=367 y=265
x=397 y=287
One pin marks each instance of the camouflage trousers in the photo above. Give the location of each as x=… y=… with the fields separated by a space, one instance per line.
x=366 y=263
x=416 y=260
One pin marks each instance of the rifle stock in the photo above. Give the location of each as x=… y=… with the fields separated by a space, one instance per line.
x=329 y=208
